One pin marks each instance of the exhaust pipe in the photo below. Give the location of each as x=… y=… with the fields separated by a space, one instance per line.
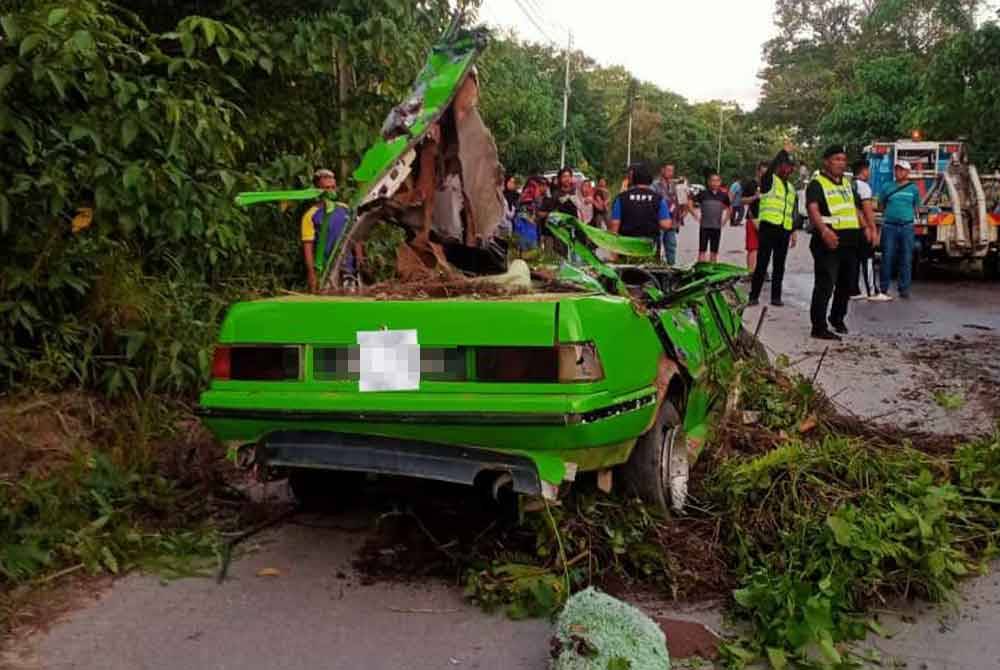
x=503 y=481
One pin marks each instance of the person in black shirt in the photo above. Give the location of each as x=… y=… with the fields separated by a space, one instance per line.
x=775 y=229
x=835 y=242
x=640 y=211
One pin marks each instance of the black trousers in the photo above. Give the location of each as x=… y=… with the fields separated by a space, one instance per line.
x=772 y=240
x=835 y=273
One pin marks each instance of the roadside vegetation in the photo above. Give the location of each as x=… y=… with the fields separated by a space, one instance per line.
x=126 y=129
x=804 y=520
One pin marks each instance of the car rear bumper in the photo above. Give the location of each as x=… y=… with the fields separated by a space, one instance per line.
x=560 y=435
x=390 y=456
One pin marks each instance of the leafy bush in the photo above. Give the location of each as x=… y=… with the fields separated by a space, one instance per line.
x=123 y=149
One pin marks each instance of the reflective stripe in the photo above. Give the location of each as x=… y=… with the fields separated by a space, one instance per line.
x=778 y=205
x=840 y=201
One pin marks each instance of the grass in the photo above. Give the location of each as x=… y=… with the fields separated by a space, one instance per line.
x=88 y=489
x=949 y=401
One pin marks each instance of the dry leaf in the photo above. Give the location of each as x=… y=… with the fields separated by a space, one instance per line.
x=269 y=572
x=808 y=424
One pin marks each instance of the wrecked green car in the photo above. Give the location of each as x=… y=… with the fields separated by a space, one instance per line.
x=471 y=367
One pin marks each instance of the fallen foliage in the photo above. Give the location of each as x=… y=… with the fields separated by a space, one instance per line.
x=803 y=516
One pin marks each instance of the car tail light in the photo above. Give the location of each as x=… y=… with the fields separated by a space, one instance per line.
x=257 y=363
x=222 y=363
x=563 y=363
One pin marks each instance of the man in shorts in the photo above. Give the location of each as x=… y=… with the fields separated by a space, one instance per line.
x=712 y=210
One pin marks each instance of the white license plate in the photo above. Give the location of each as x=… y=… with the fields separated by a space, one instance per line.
x=390 y=360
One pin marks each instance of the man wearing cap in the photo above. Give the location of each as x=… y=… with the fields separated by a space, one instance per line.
x=834 y=210
x=776 y=216
x=320 y=229
x=900 y=201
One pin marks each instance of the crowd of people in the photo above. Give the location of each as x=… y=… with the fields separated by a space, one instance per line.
x=836 y=208
x=835 y=205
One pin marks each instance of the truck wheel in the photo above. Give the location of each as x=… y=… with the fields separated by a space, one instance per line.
x=324 y=489
x=657 y=470
x=991 y=266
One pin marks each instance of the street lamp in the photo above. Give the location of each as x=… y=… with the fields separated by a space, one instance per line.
x=628 y=151
x=718 y=160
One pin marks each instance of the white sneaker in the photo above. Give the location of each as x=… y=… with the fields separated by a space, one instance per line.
x=860 y=296
x=881 y=297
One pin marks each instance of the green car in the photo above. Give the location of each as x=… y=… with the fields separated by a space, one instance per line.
x=522 y=379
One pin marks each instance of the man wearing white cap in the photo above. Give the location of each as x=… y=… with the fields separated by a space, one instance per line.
x=900 y=201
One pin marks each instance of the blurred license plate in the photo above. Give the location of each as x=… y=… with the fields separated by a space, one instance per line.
x=390 y=360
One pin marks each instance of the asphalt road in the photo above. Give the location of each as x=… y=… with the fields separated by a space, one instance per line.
x=316 y=614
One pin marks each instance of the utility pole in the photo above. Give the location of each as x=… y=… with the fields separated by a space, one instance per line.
x=718 y=160
x=631 y=107
x=565 y=120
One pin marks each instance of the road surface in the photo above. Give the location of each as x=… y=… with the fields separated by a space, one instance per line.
x=316 y=614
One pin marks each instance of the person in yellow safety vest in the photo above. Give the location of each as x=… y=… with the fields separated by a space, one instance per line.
x=835 y=211
x=775 y=218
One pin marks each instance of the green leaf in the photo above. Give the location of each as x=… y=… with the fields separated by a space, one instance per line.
x=187 y=43
x=10 y=26
x=619 y=663
x=57 y=15
x=131 y=176
x=826 y=646
x=224 y=54
x=777 y=658
x=58 y=83
x=208 y=27
x=266 y=64
x=227 y=179
x=83 y=40
x=841 y=530
x=130 y=130
x=6 y=75
x=30 y=43
x=4 y=213
x=24 y=132
x=109 y=560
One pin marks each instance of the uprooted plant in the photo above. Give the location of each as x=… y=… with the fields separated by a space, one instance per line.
x=809 y=518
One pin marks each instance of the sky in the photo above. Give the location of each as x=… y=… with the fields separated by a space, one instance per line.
x=701 y=49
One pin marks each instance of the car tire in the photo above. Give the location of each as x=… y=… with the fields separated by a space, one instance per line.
x=324 y=489
x=658 y=470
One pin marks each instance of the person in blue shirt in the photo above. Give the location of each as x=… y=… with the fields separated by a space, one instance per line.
x=900 y=202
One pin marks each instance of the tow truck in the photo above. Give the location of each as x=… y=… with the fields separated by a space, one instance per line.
x=959 y=220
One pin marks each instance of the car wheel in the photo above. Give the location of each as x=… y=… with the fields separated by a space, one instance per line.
x=324 y=489
x=658 y=469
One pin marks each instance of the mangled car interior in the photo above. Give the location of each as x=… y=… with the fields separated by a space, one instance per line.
x=521 y=372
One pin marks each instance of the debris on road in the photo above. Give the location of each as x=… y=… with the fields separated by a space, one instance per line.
x=596 y=632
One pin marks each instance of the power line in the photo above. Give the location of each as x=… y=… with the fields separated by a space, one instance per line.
x=527 y=13
x=536 y=5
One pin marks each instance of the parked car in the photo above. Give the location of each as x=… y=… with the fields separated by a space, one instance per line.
x=562 y=368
